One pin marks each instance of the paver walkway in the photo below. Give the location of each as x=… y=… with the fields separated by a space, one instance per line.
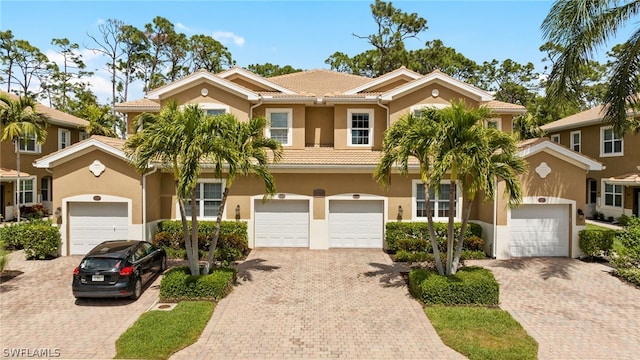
x=574 y=309
x=39 y=315
x=300 y=303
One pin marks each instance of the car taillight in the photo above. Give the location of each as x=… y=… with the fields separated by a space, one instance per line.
x=76 y=271
x=126 y=271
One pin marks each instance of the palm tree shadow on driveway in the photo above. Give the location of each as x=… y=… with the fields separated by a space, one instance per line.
x=246 y=268
x=390 y=275
x=547 y=267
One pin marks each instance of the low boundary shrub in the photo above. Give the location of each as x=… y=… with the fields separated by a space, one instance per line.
x=396 y=231
x=469 y=286
x=596 y=242
x=39 y=238
x=178 y=284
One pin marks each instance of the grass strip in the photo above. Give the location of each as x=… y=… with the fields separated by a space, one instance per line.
x=158 y=334
x=482 y=333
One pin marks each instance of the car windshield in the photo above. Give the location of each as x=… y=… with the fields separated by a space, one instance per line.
x=99 y=263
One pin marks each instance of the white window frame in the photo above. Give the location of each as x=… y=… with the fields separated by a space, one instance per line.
x=497 y=121
x=602 y=143
x=82 y=135
x=417 y=109
x=289 y=112
x=414 y=199
x=215 y=106
x=37 y=148
x=576 y=144
x=350 y=113
x=46 y=180
x=603 y=201
x=201 y=215
x=64 y=138
x=555 y=138
x=21 y=194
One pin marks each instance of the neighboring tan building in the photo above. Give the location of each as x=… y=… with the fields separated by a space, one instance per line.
x=36 y=184
x=615 y=190
x=331 y=126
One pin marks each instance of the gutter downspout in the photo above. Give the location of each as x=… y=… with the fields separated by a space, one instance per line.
x=388 y=115
x=495 y=222
x=144 y=203
x=253 y=107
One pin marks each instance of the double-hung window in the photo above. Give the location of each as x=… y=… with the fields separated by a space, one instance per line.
x=29 y=145
x=495 y=123
x=26 y=191
x=613 y=195
x=64 y=138
x=555 y=138
x=576 y=140
x=279 y=128
x=208 y=199
x=610 y=144
x=439 y=201
x=360 y=124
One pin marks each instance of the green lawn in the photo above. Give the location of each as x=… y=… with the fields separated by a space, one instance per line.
x=158 y=334
x=482 y=333
x=595 y=227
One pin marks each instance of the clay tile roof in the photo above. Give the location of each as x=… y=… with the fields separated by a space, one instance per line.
x=319 y=82
x=501 y=105
x=55 y=116
x=10 y=173
x=582 y=118
x=113 y=142
x=322 y=156
x=139 y=104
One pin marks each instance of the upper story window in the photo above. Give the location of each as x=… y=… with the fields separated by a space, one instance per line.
x=360 y=124
x=83 y=135
x=613 y=195
x=576 y=140
x=495 y=123
x=279 y=128
x=208 y=198
x=610 y=144
x=555 y=138
x=64 y=138
x=215 y=112
x=439 y=202
x=29 y=145
x=214 y=108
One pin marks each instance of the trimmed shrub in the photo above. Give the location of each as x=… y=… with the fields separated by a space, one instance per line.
x=4 y=259
x=631 y=275
x=413 y=245
x=473 y=243
x=629 y=238
x=40 y=240
x=178 y=284
x=596 y=242
x=10 y=233
x=411 y=257
x=420 y=230
x=473 y=255
x=469 y=286
x=624 y=220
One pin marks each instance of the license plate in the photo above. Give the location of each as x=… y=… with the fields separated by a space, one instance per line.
x=97 y=277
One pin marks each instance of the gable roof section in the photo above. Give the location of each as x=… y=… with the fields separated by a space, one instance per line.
x=177 y=85
x=56 y=117
x=448 y=81
x=138 y=105
x=535 y=146
x=398 y=74
x=319 y=82
x=584 y=118
x=109 y=145
x=253 y=78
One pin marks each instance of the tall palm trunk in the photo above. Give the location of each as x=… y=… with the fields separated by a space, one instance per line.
x=193 y=263
x=16 y=141
x=195 y=241
x=432 y=231
x=463 y=230
x=450 y=235
x=216 y=233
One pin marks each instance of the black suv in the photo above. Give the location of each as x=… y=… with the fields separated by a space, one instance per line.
x=118 y=268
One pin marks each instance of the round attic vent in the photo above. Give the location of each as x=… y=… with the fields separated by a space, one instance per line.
x=204 y=91
x=435 y=92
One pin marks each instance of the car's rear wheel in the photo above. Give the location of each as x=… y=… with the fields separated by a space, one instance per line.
x=163 y=265
x=137 y=289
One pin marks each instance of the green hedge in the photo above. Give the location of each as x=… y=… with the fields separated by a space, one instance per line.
x=629 y=238
x=178 y=284
x=396 y=231
x=423 y=256
x=469 y=286
x=596 y=242
x=232 y=243
x=38 y=238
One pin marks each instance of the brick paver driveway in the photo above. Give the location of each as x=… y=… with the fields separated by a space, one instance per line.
x=38 y=311
x=575 y=310
x=318 y=304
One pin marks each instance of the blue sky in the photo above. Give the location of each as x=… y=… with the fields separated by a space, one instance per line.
x=302 y=34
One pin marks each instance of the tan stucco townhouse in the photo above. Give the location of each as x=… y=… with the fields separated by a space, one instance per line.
x=331 y=126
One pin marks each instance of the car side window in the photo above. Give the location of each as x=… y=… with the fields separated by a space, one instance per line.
x=140 y=252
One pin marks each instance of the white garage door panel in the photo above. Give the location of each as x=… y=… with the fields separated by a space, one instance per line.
x=93 y=223
x=282 y=223
x=540 y=230
x=355 y=224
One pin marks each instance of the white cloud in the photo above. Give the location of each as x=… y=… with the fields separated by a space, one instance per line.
x=183 y=27
x=226 y=36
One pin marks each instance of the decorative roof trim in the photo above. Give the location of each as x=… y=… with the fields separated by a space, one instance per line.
x=236 y=70
x=564 y=152
x=223 y=83
x=75 y=150
x=383 y=79
x=481 y=95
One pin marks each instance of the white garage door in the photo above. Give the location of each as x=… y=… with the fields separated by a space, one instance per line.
x=356 y=223
x=93 y=223
x=282 y=223
x=540 y=230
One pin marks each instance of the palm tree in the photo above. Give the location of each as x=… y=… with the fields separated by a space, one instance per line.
x=411 y=137
x=474 y=156
x=174 y=138
x=251 y=150
x=21 y=121
x=580 y=28
x=101 y=121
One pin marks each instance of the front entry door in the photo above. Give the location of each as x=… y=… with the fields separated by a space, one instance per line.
x=592 y=196
x=637 y=202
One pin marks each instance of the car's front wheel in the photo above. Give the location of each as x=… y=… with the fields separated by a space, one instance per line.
x=137 y=289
